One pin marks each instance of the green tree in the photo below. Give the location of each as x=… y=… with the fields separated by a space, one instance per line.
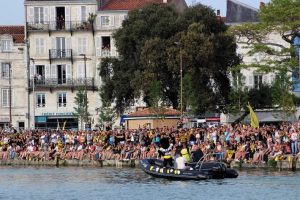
x=80 y=111
x=107 y=116
x=150 y=45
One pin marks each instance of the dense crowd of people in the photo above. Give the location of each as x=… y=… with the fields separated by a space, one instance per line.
x=227 y=142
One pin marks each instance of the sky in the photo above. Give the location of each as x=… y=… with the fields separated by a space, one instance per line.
x=12 y=11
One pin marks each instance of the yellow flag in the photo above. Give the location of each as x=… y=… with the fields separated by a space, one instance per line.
x=64 y=125
x=254 y=121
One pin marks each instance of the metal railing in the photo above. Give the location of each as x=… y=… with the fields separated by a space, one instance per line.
x=60 y=53
x=62 y=82
x=59 y=25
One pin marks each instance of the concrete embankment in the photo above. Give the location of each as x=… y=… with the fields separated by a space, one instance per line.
x=75 y=163
x=292 y=164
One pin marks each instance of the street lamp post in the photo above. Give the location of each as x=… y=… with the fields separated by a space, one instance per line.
x=181 y=78
x=181 y=83
x=9 y=80
x=33 y=94
x=85 y=86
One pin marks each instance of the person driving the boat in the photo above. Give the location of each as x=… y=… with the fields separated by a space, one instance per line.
x=180 y=162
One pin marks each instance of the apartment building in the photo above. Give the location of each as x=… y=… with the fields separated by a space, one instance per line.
x=13 y=78
x=62 y=60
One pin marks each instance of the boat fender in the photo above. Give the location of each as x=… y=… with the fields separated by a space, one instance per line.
x=157 y=169
x=161 y=170
x=151 y=168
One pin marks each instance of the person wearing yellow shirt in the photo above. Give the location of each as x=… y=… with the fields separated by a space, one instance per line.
x=185 y=153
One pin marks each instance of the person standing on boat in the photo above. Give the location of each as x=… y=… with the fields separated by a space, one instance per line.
x=185 y=153
x=168 y=160
x=180 y=162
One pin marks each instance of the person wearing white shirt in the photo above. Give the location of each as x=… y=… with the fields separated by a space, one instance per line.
x=180 y=162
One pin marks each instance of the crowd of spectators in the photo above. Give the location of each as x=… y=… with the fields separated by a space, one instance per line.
x=238 y=142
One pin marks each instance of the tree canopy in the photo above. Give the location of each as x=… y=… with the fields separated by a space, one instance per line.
x=150 y=45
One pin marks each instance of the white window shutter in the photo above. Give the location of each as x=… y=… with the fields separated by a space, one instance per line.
x=68 y=71
x=53 y=41
x=32 y=71
x=79 y=13
x=88 y=11
x=52 y=18
x=46 y=15
x=53 y=71
x=98 y=46
x=37 y=45
x=265 y=79
x=80 y=70
x=117 y=20
x=87 y=70
x=84 y=44
x=250 y=80
x=112 y=21
x=42 y=43
x=30 y=15
x=68 y=43
x=47 y=71
x=79 y=48
x=98 y=22
x=67 y=17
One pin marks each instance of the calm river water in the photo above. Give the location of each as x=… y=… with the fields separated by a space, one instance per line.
x=133 y=184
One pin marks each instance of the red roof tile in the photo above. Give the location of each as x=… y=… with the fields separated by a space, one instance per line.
x=127 y=4
x=147 y=112
x=17 y=32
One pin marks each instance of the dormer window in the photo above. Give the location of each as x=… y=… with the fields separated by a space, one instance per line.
x=6 y=45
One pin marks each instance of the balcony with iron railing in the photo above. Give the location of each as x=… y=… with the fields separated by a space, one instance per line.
x=108 y=53
x=65 y=54
x=43 y=83
x=59 y=26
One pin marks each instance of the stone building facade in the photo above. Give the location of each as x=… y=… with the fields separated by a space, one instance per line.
x=13 y=78
x=62 y=59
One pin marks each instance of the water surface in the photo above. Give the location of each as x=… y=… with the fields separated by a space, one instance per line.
x=112 y=183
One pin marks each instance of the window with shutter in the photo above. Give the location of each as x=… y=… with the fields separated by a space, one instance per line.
x=5 y=98
x=6 y=45
x=105 y=21
x=62 y=99
x=38 y=15
x=258 y=80
x=82 y=45
x=83 y=14
x=40 y=100
x=4 y=70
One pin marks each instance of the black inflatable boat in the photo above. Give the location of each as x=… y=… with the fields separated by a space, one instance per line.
x=195 y=171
